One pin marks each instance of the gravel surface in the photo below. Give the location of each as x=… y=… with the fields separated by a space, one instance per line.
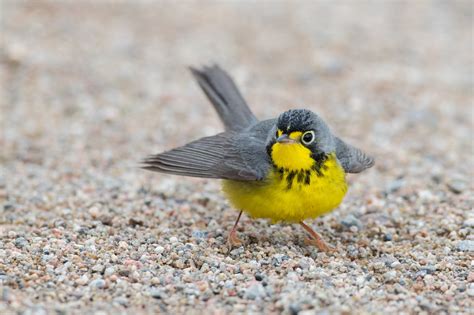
x=90 y=88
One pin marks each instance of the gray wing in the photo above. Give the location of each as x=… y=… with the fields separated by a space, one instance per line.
x=225 y=97
x=352 y=159
x=226 y=156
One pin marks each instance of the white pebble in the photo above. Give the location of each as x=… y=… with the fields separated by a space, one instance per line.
x=159 y=249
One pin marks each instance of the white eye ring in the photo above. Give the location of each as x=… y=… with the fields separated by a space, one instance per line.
x=309 y=135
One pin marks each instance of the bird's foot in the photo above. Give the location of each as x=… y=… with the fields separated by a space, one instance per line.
x=320 y=244
x=233 y=240
x=316 y=240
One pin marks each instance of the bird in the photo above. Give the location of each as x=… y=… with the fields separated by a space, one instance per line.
x=287 y=169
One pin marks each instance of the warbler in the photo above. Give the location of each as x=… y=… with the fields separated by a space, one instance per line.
x=287 y=169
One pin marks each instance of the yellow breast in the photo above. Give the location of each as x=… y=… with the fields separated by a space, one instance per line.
x=294 y=190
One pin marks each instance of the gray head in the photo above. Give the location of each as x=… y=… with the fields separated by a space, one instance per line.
x=304 y=127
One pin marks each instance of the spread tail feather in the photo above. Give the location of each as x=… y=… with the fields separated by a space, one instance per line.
x=221 y=90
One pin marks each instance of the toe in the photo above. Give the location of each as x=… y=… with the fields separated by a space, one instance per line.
x=234 y=241
x=320 y=244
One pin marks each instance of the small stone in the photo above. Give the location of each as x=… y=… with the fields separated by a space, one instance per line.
x=466 y=245
x=470 y=291
x=159 y=249
x=429 y=269
x=387 y=237
x=98 y=268
x=390 y=275
x=457 y=186
x=173 y=239
x=21 y=242
x=82 y=280
x=156 y=293
x=350 y=221
x=94 y=211
x=109 y=271
x=122 y=300
x=420 y=274
x=468 y=223
x=379 y=265
x=255 y=291
x=426 y=195
x=258 y=277
x=134 y=222
x=395 y=185
x=294 y=309
x=124 y=272
x=470 y=277
x=199 y=234
x=395 y=265
x=238 y=251
x=98 y=283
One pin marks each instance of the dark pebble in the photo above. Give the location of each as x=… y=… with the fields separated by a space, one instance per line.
x=294 y=309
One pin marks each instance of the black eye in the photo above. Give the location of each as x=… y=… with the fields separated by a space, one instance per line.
x=308 y=137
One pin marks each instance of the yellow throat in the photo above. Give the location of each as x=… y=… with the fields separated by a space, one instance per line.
x=293 y=156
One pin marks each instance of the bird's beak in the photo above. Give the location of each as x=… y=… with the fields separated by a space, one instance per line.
x=285 y=139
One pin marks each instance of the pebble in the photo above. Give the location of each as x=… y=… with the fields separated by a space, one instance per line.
x=350 y=221
x=199 y=234
x=94 y=211
x=470 y=291
x=457 y=186
x=121 y=300
x=294 y=309
x=98 y=283
x=395 y=186
x=387 y=237
x=466 y=245
x=21 y=242
x=390 y=275
x=255 y=291
x=468 y=223
x=395 y=265
x=238 y=251
x=83 y=280
x=159 y=249
x=157 y=293
x=109 y=271
x=98 y=268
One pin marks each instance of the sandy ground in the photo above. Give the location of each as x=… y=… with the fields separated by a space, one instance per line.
x=89 y=89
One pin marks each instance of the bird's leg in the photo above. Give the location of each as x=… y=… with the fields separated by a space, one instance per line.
x=233 y=240
x=315 y=239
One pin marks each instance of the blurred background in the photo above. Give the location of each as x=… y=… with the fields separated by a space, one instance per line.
x=111 y=79
x=91 y=87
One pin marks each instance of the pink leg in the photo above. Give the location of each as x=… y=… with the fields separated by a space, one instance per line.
x=233 y=240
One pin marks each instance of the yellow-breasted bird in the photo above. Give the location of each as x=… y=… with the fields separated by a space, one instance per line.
x=286 y=169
